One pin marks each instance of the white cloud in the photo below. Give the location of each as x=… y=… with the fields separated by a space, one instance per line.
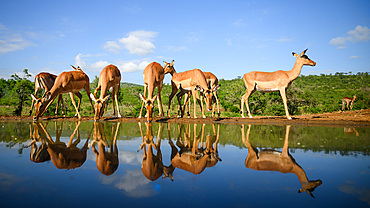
x=123 y=66
x=228 y=41
x=359 y=34
x=239 y=23
x=112 y=46
x=133 y=66
x=353 y=57
x=11 y=41
x=136 y=42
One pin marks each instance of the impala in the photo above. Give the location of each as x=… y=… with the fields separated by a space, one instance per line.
x=67 y=82
x=271 y=160
x=190 y=81
x=153 y=77
x=109 y=78
x=46 y=81
x=273 y=81
x=212 y=82
x=66 y=156
x=106 y=161
x=191 y=157
x=152 y=165
x=348 y=101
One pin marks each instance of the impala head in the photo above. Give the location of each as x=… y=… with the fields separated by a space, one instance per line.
x=168 y=67
x=302 y=58
x=354 y=97
x=310 y=186
x=99 y=105
x=149 y=104
x=40 y=104
x=208 y=95
x=77 y=69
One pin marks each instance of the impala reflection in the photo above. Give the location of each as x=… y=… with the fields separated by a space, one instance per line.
x=271 y=160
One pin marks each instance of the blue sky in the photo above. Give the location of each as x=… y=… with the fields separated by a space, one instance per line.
x=228 y=38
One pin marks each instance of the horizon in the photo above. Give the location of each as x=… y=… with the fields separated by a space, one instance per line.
x=228 y=39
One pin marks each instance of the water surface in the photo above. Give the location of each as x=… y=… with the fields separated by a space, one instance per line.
x=60 y=164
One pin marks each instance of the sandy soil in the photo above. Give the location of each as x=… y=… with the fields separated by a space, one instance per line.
x=345 y=118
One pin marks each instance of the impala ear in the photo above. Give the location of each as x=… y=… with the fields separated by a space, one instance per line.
x=47 y=96
x=304 y=52
x=199 y=88
x=73 y=66
x=92 y=97
x=34 y=97
x=294 y=54
x=153 y=99
x=165 y=62
x=106 y=98
x=216 y=88
x=142 y=97
x=173 y=61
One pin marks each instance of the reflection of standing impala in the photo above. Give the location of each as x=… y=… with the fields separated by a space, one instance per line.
x=271 y=160
x=66 y=156
x=190 y=157
x=109 y=78
x=153 y=77
x=38 y=153
x=67 y=82
x=152 y=165
x=273 y=81
x=192 y=80
x=106 y=162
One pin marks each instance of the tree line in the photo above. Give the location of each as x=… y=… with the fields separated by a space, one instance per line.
x=306 y=95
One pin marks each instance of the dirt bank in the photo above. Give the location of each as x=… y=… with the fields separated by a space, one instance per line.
x=345 y=118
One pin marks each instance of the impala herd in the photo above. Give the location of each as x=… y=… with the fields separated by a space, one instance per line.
x=183 y=83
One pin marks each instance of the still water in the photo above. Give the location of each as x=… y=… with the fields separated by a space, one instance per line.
x=87 y=164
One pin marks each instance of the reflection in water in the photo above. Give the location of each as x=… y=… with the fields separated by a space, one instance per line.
x=64 y=156
x=351 y=131
x=271 y=160
x=106 y=161
x=152 y=165
x=39 y=152
x=191 y=157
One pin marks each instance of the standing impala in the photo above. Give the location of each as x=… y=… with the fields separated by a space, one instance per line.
x=192 y=80
x=110 y=77
x=273 y=81
x=46 y=81
x=212 y=82
x=348 y=101
x=153 y=77
x=67 y=82
x=271 y=160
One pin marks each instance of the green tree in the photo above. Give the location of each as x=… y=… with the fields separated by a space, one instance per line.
x=22 y=89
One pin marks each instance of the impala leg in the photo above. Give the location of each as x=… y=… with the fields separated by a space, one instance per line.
x=218 y=104
x=283 y=95
x=74 y=104
x=343 y=105
x=179 y=97
x=96 y=91
x=244 y=99
x=174 y=91
x=60 y=101
x=187 y=103
x=142 y=105
x=116 y=99
x=159 y=99
x=113 y=102
x=33 y=101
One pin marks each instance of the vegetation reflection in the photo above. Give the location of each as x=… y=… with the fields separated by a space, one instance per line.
x=272 y=160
